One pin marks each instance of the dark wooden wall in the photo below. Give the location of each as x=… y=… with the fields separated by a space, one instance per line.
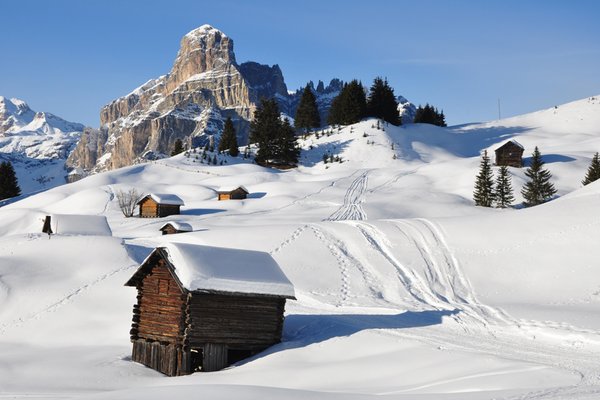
x=160 y=307
x=509 y=155
x=169 y=230
x=242 y=322
x=164 y=210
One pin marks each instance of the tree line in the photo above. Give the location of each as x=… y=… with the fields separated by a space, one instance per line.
x=537 y=190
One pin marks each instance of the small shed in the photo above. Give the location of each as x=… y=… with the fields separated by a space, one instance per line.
x=73 y=224
x=510 y=154
x=173 y=227
x=158 y=205
x=202 y=308
x=238 y=193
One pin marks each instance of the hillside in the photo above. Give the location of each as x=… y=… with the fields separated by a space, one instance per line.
x=405 y=289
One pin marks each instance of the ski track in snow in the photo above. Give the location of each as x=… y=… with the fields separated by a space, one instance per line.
x=352 y=208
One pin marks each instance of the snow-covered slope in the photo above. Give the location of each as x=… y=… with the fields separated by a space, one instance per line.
x=405 y=289
x=37 y=143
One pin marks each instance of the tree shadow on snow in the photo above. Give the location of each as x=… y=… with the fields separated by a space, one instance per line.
x=257 y=195
x=549 y=159
x=201 y=211
x=318 y=150
x=301 y=330
x=470 y=142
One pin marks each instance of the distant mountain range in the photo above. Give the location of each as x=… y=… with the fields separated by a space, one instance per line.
x=204 y=87
x=37 y=143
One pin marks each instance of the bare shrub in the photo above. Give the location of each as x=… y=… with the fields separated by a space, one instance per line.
x=127 y=201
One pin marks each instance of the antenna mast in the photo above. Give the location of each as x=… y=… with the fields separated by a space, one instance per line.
x=499 y=114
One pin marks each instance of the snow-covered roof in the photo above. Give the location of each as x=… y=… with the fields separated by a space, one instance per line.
x=231 y=189
x=72 y=224
x=180 y=226
x=513 y=141
x=225 y=270
x=164 y=198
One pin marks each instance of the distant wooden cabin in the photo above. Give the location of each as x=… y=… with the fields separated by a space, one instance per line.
x=173 y=227
x=202 y=308
x=238 y=193
x=73 y=224
x=156 y=205
x=510 y=154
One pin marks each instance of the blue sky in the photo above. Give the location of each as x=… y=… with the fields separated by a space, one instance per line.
x=72 y=57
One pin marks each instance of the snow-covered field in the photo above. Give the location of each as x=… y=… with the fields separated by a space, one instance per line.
x=405 y=289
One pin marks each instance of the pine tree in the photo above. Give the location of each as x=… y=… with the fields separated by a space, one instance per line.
x=275 y=138
x=382 y=102
x=350 y=106
x=538 y=189
x=504 y=192
x=593 y=172
x=228 y=139
x=287 y=150
x=429 y=115
x=264 y=128
x=177 y=147
x=9 y=185
x=307 y=114
x=484 y=183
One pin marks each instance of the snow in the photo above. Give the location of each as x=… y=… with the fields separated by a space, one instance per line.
x=203 y=31
x=218 y=269
x=180 y=226
x=405 y=290
x=166 y=198
x=71 y=224
x=229 y=189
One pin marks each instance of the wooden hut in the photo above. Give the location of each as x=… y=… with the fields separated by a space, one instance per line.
x=157 y=205
x=238 y=193
x=202 y=308
x=510 y=154
x=173 y=227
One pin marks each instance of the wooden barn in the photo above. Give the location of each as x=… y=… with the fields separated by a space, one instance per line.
x=510 y=154
x=155 y=205
x=202 y=308
x=238 y=193
x=173 y=227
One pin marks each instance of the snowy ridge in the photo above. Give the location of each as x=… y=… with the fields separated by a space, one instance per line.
x=395 y=271
x=37 y=143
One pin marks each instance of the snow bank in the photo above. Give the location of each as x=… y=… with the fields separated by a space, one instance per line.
x=71 y=224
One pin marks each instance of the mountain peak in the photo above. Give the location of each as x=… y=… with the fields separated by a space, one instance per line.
x=204 y=30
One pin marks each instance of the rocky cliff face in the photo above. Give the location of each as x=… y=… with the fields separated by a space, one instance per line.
x=204 y=87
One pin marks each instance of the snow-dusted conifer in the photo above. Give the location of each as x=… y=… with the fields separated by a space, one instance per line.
x=593 y=172
x=484 y=183
x=538 y=189
x=504 y=192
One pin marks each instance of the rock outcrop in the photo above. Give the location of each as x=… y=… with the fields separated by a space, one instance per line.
x=204 y=87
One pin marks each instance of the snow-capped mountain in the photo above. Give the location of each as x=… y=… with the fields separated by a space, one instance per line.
x=404 y=288
x=37 y=143
x=407 y=110
x=204 y=87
